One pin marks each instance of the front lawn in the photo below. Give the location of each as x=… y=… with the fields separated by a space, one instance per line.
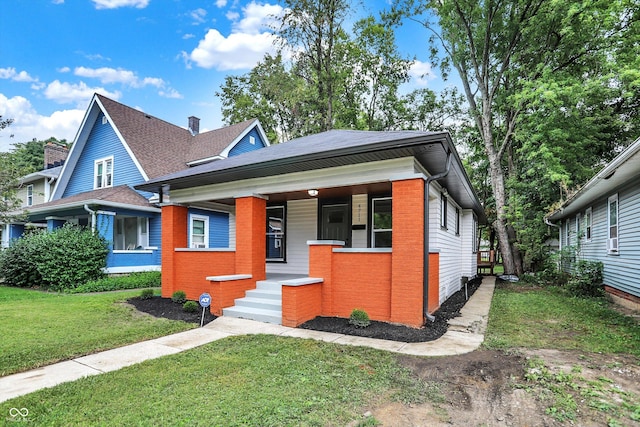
x=40 y=328
x=257 y=380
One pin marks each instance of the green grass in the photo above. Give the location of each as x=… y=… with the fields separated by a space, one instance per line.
x=40 y=328
x=527 y=317
x=238 y=381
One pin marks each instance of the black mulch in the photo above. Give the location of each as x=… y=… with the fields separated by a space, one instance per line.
x=386 y=331
x=164 y=307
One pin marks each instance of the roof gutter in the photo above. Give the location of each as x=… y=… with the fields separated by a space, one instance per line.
x=93 y=217
x=425 y=278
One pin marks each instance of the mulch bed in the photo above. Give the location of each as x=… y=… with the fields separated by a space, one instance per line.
x=387 y=331
x=164 y=307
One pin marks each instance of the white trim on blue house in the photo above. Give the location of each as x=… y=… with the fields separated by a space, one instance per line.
x=255 y=124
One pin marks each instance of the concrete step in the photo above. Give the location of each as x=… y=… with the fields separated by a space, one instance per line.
x=269 y=285
x=265 y=294
x=251 y=313
x=264 y=303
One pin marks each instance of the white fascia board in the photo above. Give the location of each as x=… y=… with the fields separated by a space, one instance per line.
x=76 y=149
x=81 y=204
x=202 y=161
x=340 y=176
x=123 y=142
x=225 y=153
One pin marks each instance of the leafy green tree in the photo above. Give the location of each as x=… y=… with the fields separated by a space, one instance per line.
x=505 y=54
x=9 y=175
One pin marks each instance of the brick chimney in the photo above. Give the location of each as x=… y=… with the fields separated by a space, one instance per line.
x=54 y=155
x=194 y=125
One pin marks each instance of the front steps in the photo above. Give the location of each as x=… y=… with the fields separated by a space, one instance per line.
x=263 y=304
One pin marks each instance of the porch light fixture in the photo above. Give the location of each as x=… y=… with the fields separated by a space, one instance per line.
x=313 y=192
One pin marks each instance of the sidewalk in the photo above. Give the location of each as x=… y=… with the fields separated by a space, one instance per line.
x=465 y=334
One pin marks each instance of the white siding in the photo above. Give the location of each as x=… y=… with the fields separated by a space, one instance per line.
x=469 y=264
x=232 y=230
x=301 y=226
x=360 y=210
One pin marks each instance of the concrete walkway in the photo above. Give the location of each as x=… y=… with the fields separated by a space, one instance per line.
x=465 y=334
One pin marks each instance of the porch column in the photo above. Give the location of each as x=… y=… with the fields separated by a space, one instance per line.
x=407 y=257
x=174 y=235
x=251 y=237
x=54 y=223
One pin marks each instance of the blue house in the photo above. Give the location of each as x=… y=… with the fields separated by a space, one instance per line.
x=118 y=147
x=601 y=223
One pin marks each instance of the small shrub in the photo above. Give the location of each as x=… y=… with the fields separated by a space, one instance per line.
x=179 y=297
x=190 y=306
x=587 y=279
x=146 y=294
x=359 y=318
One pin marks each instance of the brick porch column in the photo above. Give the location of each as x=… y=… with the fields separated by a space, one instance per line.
x=407 y=258
x=174 y=235
x=251 y=237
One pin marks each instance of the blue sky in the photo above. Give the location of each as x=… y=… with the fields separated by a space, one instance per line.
x=165 y=57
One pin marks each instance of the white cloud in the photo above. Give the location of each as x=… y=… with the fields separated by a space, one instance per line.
x=188 y=36
x=421 y=73
x=236 y=52
x=22 y=76
x=258 y=17
x=114 y=4
x=80 y=93
x=28 y=124
x=108 y=75
x=244 y=47
x=57 y=1
x=199 y=16
x=221 y=3
x=170 y=93
x=63 y=70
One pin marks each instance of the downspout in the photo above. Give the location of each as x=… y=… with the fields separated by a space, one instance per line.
x=93 y=217
x=425 y=278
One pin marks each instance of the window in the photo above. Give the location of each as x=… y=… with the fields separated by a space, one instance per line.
x=457 y=221
x=578 y=223
x=30 y=195
x=588 y=223
x=613 y=224
x=568 y=232
x=443 y=210
x=103 y=172
x=276 y=238
x=104 y=120
x=381 y=223
x=131 y=233
x=252 y=140
x=199 y=231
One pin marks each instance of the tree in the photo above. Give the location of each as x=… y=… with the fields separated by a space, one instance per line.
x=502 y=51
x=9 y=175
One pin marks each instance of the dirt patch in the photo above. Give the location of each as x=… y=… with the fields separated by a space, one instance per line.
x=164 y=307
x=387 y=331
x=492 y=388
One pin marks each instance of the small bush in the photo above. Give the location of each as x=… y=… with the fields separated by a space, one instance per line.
x=179 y=297
x=146 y=294
x=190 y=306
x=586 y=280
x=359 y=318
x=147 y=279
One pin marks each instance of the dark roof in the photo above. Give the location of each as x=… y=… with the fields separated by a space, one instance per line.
x=330 y=149
x=120 y=195
x=161 y=147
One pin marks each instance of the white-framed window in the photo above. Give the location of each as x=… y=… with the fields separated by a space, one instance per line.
x=588 y=223
x=252 y=140
x=381 y=222
x=443 y=210
x=131 y=233
x=198 y=231
x=457 y=221
x=578 y=224
x=276 y=233
x=30 y=195
x=104 y=120
x=103 y=173
x=612 y=216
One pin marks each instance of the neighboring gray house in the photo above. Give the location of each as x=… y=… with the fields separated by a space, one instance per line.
x=602 y=220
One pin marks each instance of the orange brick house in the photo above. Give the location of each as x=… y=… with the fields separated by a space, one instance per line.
x=381 y=221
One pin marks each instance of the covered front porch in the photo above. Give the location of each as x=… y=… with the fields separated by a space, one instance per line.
x=334 y=254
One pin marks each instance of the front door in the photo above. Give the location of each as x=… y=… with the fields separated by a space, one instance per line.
x=335 y=223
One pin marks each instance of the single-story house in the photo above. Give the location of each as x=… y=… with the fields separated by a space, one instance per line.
x=602 y=223
x=324 y=224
